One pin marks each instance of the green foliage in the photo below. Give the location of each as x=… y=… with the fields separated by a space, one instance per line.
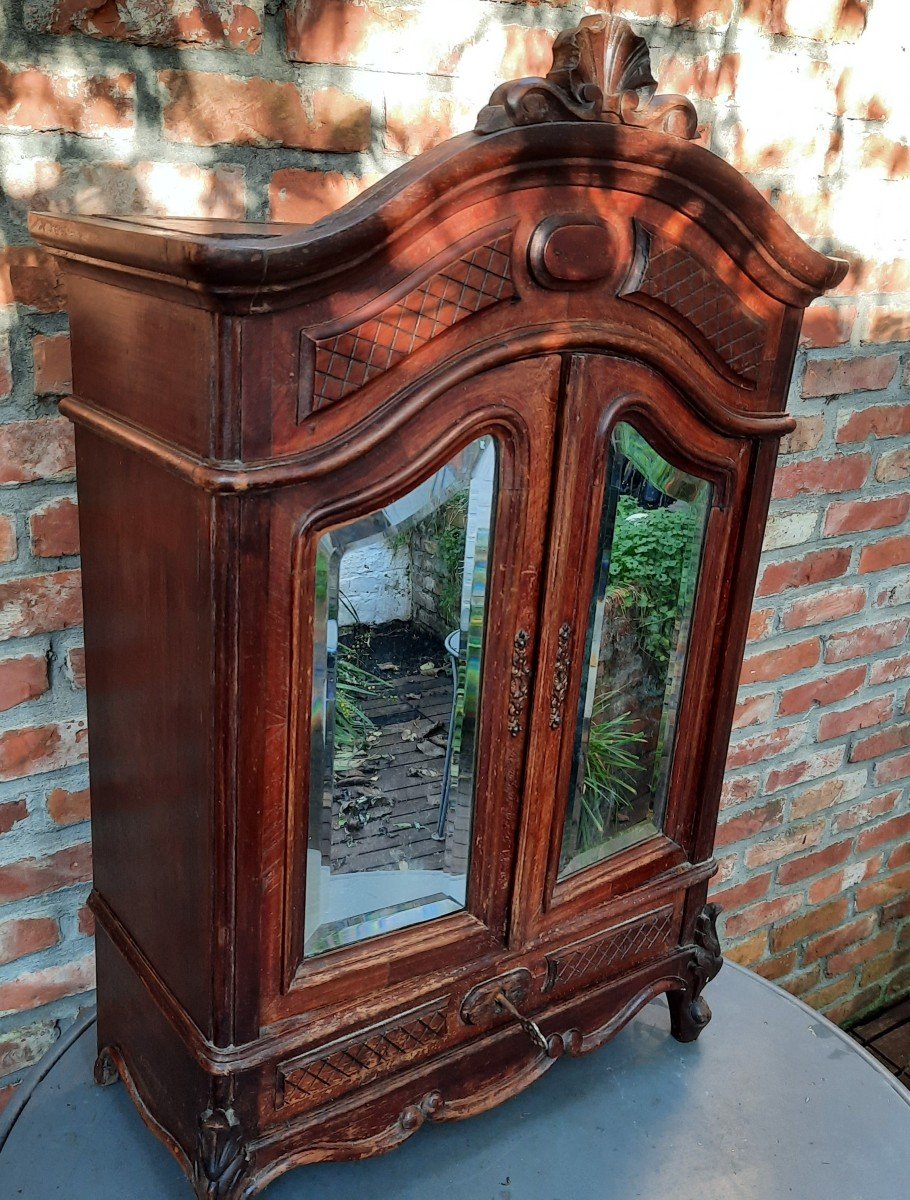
x=352 y=683
x=610 y=767
x=447 y=527
x=650 y=555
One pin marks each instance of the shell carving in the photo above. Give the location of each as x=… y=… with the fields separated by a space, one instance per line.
x=601 y=70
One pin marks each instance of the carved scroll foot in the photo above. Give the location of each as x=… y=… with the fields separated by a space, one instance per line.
x=221 y=1159
x=689 y=1011
x=105 y=1070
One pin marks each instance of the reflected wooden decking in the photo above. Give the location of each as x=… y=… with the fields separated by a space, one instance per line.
x=410 y=703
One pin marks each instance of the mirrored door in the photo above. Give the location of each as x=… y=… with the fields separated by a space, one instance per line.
x=641 y=521
x=401 y=603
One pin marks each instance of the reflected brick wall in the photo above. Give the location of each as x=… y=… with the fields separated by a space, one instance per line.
x=214 y=107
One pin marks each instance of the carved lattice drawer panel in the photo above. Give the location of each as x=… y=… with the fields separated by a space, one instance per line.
x=478 y=279
x=634 y=942
x=694 y=293
x=348 y=1063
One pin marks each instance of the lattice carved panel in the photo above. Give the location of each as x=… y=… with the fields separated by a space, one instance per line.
x=694 y=293
x=341 y=1066
x=346 y=362
x=632 y=942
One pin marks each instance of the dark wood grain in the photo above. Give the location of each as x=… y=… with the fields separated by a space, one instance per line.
x=576 y=263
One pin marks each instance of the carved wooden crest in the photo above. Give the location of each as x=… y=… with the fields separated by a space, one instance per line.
x=601 y=72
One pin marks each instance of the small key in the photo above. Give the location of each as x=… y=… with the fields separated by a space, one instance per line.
x=531 y=1028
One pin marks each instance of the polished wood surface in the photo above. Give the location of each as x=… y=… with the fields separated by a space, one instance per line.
x=238 y=390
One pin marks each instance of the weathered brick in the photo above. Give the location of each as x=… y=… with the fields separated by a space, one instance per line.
x=857 y=516
x=9 y=543
x=807 y=435
x=889 y=324
x=870 y=639
x=20 y=1048
x=741 y=894
x=748 y=824
x=36 y=988
x=821 y=20
x=31 y=277
x=54 y=529
x=893 y=466
x=824 y=762
x=6 y=368
x=851 y=720
x=789 y=529
x=848 y=960
x=205 y=23
x=36 y=749
x=865 y=1001
x=889 y=831
x=749 y=952
x=899 y=856
x=19 y=938
x=807 y=865
x=40 y=604
x=754 y=710
x=883 y=891
x=32 y=450
x=36 y=876
x=65 y=101
x=827 y=794
x=891 y=159
x=880 y=421
x=206 y=109
x=878 y=968
x=777 y=967
x=818 y=920
x=307 y=196
x=894 y=594
x=415 y=123
x=765 y=912
x=22 y=679
x=827 y=325
x=889 y=552
x=831 y=605
x=862 y=814
x=839 y=939
x=53 y=369
x=760 y=624
x=875 y=745
x=838 y=376
x=893 y=769
x=764 y=745
x=818 y=566
x=68 y=808
x=791 y=842
x=75 y=666
x=738 y=790
x=160 y=189
x=839 y=882
x=11 y=813
x=821 y=692
x=86 y=921
x=820 y=476
x=771 y=665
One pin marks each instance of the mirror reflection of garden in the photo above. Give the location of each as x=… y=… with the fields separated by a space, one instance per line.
x=401 y=601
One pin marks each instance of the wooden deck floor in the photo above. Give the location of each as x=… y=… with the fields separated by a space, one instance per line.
x=390 y=819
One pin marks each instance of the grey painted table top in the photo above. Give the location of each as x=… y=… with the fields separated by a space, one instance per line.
x=772 y=1102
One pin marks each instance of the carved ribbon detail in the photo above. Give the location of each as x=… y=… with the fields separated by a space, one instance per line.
x=560 y=675
x=518 y=682
x=601 y=72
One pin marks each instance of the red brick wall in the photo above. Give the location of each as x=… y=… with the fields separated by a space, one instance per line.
x=223 y=108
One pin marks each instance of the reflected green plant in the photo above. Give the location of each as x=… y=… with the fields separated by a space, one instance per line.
x=610 y=766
